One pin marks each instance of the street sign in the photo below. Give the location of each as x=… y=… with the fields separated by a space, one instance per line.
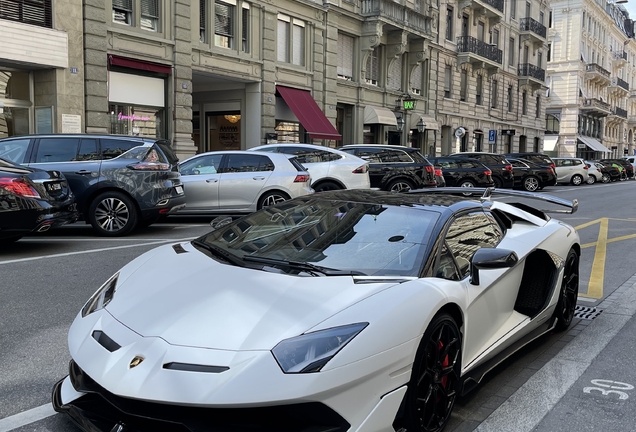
x=409 y=104
x=492 y=136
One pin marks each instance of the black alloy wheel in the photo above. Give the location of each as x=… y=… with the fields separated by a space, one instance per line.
x=435 y=377
x=566 y=306
x=606 y=178
x=113 y=214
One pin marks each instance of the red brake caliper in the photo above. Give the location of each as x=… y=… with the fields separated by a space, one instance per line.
x=445 y=364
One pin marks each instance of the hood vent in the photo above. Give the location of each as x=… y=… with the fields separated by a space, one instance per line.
x=189 y=367
x=179 y=249
x=105 y=341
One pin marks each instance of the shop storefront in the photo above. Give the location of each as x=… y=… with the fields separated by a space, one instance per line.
x=15 y=103
x=137 y=97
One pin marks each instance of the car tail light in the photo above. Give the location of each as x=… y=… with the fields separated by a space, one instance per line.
x=487 y=173
x=301 y=178
x=150 y=166
x=553 y=166
x=585 y=167
x=509 y=168
x=361 y=169
x=429 y=168
x=438 y=172
x=19 y=187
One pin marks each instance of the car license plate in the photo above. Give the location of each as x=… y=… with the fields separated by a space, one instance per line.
x=179 y=189
x=54 y=186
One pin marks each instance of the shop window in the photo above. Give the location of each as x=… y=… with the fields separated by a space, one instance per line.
x=288 y=132
x=123 y=11
x=291 y=40
x=137 y=121
x=372 y=74
x=224 y=24
x=345 y=57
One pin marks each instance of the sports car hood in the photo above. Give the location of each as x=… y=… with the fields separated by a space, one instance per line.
x=193 y=300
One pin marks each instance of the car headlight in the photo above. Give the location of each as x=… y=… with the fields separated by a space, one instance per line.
x=102 y=296
x=309 y=352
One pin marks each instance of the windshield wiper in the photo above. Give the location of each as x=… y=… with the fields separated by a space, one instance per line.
x=219 y=253
x=312 y=269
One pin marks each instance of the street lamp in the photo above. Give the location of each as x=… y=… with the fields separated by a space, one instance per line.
x=400 y=124
x=421 y=126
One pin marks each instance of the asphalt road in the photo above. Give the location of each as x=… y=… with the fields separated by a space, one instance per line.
x=45 y=280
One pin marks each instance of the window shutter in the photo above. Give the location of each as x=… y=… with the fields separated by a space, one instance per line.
x=299 y=45
x=224 y=19
x=282 y=44
x=395 y=74
x=123 y=5
x=245 y=17
x=373 y=67
x=150 y=8
x=345 y=56
x=202 y=16
x=416 y=80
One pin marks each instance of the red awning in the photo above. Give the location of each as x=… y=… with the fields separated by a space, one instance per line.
x=138 y=64
x=309 y=113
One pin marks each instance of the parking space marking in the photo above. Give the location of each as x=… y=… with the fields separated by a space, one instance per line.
x=26 y=417
x=94 y=250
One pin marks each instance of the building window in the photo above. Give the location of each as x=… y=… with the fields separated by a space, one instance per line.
x=137 y=120
x=463 y=85
x=495 y=38
x=345 y=57
x=372 y=74
x=524 y=103
x=149 y=15
x=394 y=81
x=123 y=12
x=552 y=125
x=538 y=107
x=550 y=19
x=479 y=90
x=513 y=8
x=245 y=27
x=509 y=98
x=449 y=23
x=549 y=56
x=480 y=31
x=511 y=51
x=493 y=96
x=448 y=82
x=224 y=24
x=416 y=80
x=542 y=18
x=35 y=12
x=202 y=26
x=291 y=40
x=540 y=60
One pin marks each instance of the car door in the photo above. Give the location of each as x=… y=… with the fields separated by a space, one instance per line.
x=76 y=157
x=201 y=181
x=489 y=304
x=449 y=170
x=519 y=171
x=377 y=169
x=242 y=179
x=564 y=170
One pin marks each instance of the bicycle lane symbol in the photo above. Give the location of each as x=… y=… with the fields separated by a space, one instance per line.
x=608 y=387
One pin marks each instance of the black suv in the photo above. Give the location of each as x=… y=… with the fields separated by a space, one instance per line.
x=119 y=182
x=629 y=168
x=460 y=172
x=538 y=158
x=498 y=164
x=395 y=168
x=531 y=176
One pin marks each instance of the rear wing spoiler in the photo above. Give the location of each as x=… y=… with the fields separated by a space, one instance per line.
x=488 y=193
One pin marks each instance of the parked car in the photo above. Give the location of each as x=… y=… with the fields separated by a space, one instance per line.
x=395 y=168
x=594 y=172
x=460 y=172
x=498 y=164
x=531 y=176
x=629 y=169
x=631 y=160
x=330 y=169
x=119 y=182
x=364 y=310
x=538 y=158
x=571 y=170
x=609 y=173
x=238 y=181
x=32 y=200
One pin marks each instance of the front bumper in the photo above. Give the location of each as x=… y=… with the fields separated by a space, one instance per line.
x=97 y=410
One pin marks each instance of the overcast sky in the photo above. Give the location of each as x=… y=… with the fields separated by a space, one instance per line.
x=631 y=8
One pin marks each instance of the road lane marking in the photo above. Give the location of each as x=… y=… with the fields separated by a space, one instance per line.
x=94 y=250
x=595 y=287
x=26 y=417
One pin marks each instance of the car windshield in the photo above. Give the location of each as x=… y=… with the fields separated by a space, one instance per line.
x=362 y=238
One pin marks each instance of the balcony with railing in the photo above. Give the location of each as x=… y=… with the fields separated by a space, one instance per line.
x=397 y=15
x=531 y=75
x=596 y=107
x=618 y=87
x=597 y=74
x=619 y=58
x=493 y=9
x=620 y=112
x=484 y=55
x=533 y=30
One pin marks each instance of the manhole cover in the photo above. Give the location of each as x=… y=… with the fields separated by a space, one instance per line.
x=586 y=312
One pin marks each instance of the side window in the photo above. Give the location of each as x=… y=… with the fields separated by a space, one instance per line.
x=560 y=162
x=266 y=164
x=395 y=156
x=242 y=163
x=576 y=162
x=518 y=164
x=202 y=165
x=370 y=154
x=14 y=150
x=446 y=268
x=303 y=155
x=465 y=164
x=57 y=150
x=88 y=150
x=467 y=234
x=111 y=148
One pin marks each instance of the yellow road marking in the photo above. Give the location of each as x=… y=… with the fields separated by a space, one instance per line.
x=595 y=287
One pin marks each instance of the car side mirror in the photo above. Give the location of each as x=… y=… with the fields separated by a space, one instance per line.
x=220 y=221
x=490 y=258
